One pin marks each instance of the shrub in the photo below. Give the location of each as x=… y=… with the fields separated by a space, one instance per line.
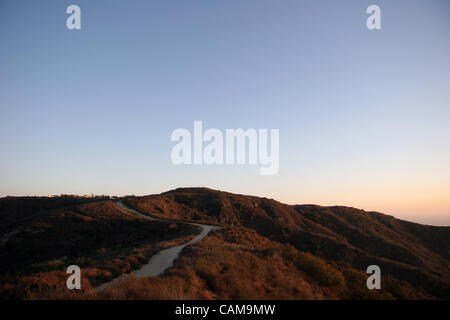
x=320 y=271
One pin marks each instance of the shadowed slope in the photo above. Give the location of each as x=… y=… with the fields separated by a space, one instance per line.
x=411 y=252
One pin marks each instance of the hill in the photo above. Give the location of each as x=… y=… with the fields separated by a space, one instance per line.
x=45 y=235
x=265 y=250
x=410 y=252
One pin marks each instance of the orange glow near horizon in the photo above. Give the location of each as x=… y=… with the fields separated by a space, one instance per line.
x=425 y=204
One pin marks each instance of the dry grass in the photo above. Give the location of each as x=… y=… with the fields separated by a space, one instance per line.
x=100 y=238
x=217 y=269
x=268 y=250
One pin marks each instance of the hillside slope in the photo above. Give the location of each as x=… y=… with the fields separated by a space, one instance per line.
x=44 y=236
x=414 y=253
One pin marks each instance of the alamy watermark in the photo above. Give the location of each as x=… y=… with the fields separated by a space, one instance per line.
x=374 y=280
x=239 y=146
x=373 y=22
x=74 y=281
x=74 y=20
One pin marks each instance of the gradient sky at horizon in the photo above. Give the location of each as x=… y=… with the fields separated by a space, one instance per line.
x=363 y=115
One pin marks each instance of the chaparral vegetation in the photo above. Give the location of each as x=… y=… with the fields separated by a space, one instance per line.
x=265 y=250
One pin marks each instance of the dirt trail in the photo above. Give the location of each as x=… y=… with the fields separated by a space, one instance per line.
x=164 y=259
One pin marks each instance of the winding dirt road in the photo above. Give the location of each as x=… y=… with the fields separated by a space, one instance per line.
x=164 y=259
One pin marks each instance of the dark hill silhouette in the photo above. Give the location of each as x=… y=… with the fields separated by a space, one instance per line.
x=266 y=250
x=411 y=252
x=45 y=235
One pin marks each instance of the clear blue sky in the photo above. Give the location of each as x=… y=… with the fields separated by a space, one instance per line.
x=363 y=115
